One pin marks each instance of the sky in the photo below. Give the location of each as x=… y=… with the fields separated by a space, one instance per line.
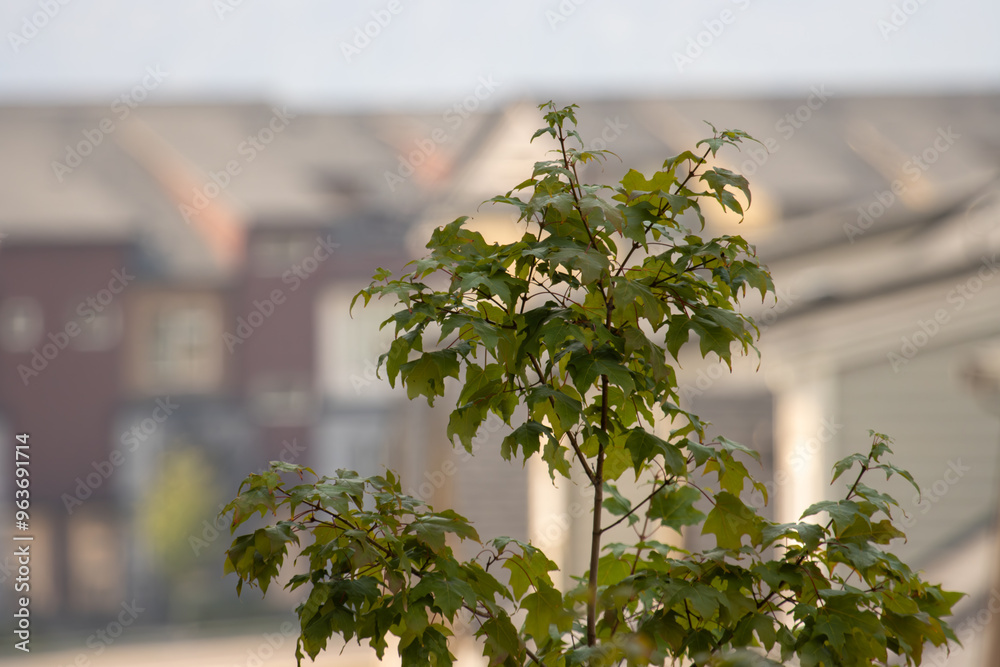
x=425 y=53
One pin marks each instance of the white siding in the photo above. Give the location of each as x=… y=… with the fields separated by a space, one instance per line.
x=937 y=426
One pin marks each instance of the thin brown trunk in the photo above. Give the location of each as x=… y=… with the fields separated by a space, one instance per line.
x=595 y=539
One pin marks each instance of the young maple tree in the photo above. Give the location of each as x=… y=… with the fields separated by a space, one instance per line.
x=580 y=322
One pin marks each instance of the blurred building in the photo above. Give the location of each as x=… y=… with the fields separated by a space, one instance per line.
x=175 y=287
x=174 y=296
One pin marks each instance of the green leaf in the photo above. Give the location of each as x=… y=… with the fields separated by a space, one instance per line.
x=612 y=570
x=882 y=501
x=632 y=292
x=763 y=625
x=678 y=334
x=528 y=437
x=545 y=130
x=448 y=594
x=644 y=446
x=843 y=512
x=616 y=461
x=730 y=520
x=600 y=213
x=703 y=599
x=425 y=376
x=464 y=423
x=730 y=447
x=567 y=408
x=590 y=263
x=674 y=507
x=880 y=532
x=544 y=608
x=616 y=503
x=586 y=368
x=742 y=273
x=810 y=534
x=845 y=464
x=835 y=629
x=891 y=469
x=502 y=641
x=531 y=568
x=732 y=474
x=899 y=603
x=635 y=185
x=431 y=528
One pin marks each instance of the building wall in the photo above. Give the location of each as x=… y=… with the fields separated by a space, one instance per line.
x=944 y=436
x=60 y=383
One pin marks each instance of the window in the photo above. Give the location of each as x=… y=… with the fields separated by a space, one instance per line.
x=20 y=323
x=181 y=345
x=96 y=584
x=99 y=331
x=356 y=440
x=276 y=253
x=283 y=401
x=175 y=342
x=350 y=343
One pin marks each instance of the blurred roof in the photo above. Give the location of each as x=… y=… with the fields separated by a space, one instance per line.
x=176 y=179
x=187 y=182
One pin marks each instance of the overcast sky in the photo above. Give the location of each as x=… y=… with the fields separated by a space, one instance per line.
x=427 y=53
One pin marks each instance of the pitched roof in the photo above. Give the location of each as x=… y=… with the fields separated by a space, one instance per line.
x=373 y=176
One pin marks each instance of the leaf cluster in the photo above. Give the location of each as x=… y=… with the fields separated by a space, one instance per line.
x=571 y=335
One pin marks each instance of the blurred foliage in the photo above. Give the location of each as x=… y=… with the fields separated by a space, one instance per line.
x=176 y=503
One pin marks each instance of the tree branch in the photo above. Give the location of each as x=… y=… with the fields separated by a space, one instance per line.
x=581 y=457
x=641 y=503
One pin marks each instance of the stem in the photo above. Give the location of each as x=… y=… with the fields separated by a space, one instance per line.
x=531 y=272
x=639 y=505
x=656 y=282
x=581 y=457
x=595 y=539
x=573 y=187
